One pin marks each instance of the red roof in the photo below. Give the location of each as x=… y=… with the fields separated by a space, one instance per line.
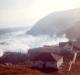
x=46 y=56
x=56 y=56
x=45 y=49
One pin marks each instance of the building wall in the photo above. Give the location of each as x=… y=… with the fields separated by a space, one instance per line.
x=60 y=62
x=41 y=64
x=36 y=64
x=51 y=65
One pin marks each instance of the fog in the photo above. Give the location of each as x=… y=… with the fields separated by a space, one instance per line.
x=28 y=12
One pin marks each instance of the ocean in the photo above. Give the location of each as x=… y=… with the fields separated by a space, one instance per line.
x=20 y=41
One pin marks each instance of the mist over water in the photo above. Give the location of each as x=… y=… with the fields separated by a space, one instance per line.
x=19 y=41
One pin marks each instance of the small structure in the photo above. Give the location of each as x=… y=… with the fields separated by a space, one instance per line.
x=66 y=46
x=45 y=60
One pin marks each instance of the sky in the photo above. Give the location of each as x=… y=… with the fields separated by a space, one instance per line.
x=28 y=12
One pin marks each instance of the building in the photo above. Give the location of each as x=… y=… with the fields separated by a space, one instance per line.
x=54 y=49
x=44 y=59
x=65 y=46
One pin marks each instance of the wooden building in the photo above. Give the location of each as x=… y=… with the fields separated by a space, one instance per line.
x=44 y=59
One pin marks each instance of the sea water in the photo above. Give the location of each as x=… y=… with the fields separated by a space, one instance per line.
x=20 y=41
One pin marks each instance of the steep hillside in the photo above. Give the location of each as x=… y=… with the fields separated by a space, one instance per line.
x=56 y=22
x=74 y=31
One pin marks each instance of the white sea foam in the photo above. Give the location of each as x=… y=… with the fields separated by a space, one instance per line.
x=20 y=42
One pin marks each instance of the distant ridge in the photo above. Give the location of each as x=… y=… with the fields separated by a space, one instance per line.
x=74 y=31
x=56 y=23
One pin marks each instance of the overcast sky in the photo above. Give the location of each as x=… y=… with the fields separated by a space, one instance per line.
x=27 y=12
